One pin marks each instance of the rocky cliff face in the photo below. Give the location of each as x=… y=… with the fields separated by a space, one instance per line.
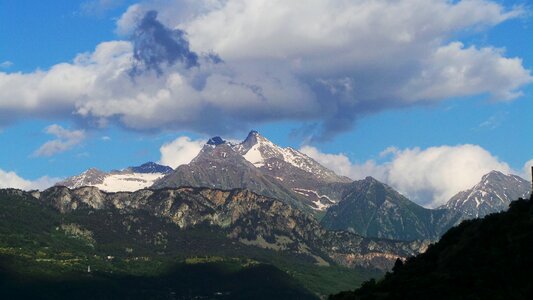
x=242 y=216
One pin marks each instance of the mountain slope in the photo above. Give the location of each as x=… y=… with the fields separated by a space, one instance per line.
x=486 y=258
x=319 y=186
x=239 y=215
x=373 y=209
x=219 y=166
x=259 y=151
x=127 y=180
x=46 y=255
x=261 y=166
x=492 y=194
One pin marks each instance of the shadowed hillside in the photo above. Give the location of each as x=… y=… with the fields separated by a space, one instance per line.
x=490 y=258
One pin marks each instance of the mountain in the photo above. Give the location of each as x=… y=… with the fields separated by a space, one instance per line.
x=487 y=258
x=240 y=215
x=261 y=152
x=373 y=209
x=261 y=166
x=492 y=194
x=130 y=179
x=60 y=233
x=320 y=186
x=218 y=165
x=107 y=254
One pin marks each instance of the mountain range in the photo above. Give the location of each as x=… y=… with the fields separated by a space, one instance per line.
x=242 y=216
x=366 y=207
x=62 y=233
x=250 y=206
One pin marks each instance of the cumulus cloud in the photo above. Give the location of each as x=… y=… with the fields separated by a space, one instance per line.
x=12 y=180
x=341 y=164
x=65 y=140
x=221 y=66
x=526 y=170
x=180 y=151
x=430 y=177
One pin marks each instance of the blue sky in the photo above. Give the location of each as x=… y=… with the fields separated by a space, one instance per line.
x=374 y=106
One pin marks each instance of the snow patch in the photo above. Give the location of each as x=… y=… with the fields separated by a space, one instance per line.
x=254 y=156
x=318 y=205
x=128 y=182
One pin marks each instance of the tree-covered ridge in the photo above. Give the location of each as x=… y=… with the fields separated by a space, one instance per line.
x=43 y=252
x=489 y=258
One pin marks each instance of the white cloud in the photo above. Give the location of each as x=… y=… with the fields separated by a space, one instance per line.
x=12 y=180
x=526 y=170
x=329 y=62
x=6 y=64
x=454 y=70
x=430 y=177
x=127 y=22
x=341 y=164
x=65 y=140
x=180 y=151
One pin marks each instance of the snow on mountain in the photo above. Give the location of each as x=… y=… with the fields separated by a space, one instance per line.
x=88 y=178
x=492 y=194
x=258 y=150
x=127 y=180
x=320 y=202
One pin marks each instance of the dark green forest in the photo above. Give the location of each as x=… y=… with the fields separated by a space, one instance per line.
x=489 y=258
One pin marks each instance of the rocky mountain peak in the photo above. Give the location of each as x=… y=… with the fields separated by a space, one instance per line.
x=492 y=194
x=91 y=176
x=253 y=134
x=497 y=175
x=92 y=171
x=215 y=141
x=371 y=180
x=219 y=152
x=262 y=153
x=151 y=167
x=252 y=139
